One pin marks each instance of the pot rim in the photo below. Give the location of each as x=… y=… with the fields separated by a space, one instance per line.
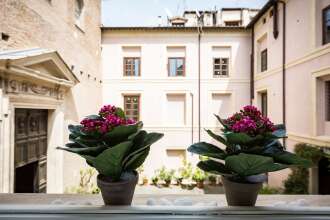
x=101 y=180
x=237 y=182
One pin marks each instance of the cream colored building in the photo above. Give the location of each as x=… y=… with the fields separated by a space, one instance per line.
x=291 y=77
x=49 y=77
x=174 y=79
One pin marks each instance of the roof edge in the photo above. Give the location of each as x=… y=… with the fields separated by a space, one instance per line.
x=262 y=11
x=169 y=28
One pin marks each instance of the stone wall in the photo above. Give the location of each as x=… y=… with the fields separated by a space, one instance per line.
x=52 y=24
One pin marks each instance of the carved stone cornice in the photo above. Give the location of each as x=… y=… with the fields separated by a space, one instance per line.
x=16 y=86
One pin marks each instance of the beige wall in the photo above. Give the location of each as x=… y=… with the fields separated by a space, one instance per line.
x=154 y=84
x=52 y=24
x=306 y=60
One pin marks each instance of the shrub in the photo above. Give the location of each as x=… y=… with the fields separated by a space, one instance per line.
x=166 y=175
x=86 y=183
x=298 y=180
x=199 y=175
x=269 y=190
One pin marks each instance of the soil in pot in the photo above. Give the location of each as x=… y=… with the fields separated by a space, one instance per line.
x=120 y=192
x=241 y=194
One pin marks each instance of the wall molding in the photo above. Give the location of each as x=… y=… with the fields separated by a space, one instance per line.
x=323 y=50
x=323 y=141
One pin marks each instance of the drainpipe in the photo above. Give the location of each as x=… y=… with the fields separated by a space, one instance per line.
x=199 y=29
x=252 y=68
x=283 y=63
x=192 y=117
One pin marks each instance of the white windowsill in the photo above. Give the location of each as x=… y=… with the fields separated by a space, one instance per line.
x=32 y=206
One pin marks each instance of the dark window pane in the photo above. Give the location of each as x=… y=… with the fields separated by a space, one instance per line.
x=327 y=100
x=326 y=25
x=176 y=66
x=220 y=66
x=264 y=105
x=131 y=66
x=264 y=60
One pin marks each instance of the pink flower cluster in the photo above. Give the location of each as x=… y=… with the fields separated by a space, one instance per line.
x=108 y=120
x=249 y=121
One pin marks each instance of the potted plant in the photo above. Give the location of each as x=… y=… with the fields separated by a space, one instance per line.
x=184 y=174
x=166 y=176
x=199 y=177
x=115 y=146
x=252 y=148
x=212 y=180
x=155 y=180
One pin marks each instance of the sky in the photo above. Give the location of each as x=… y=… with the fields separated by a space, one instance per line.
x=146 y=12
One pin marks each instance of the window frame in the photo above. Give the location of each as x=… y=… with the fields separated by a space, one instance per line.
x=220 y=76
x=184 y=67
x=327 y=100
x=324 y=38
x=124 y=66
x=139 y=103
x=264 y=67
x=263 y=104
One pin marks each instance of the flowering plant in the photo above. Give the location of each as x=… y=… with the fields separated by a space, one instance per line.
x=251 y=144
x=110 y=142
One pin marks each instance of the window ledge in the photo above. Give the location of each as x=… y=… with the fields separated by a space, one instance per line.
x=39 y=205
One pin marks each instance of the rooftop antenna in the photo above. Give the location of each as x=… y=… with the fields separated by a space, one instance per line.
x=169 y=15
x=159 y=20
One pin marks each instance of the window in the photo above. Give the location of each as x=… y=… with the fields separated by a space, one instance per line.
x=232 y=23
x=220 y=67
x=132 y=106
x=264 y=60
x=264 y=103
x=327 y=100
x=326 y=25
x=176 y=66
x=132 y=66
x=79 y=6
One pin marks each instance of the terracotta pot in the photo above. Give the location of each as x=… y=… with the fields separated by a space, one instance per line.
x=240 y=194
x=118 y=193
x=200 y=184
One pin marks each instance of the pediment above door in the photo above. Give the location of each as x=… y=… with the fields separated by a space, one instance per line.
x=35 y=72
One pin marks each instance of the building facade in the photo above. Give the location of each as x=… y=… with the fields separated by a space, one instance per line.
x=174 y=79
x=291 y=69
x=49 y=77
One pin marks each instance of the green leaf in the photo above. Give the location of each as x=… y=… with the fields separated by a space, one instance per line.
x=238 y=138
x=209 y=150
x=93 y=117
x=141 y=142
x=250 y=164
x=120 y=113
x=291 y=159
x=109 y=162
x=217 y=137
x=136 y=160
x=121 y=133
x=91 y=151
x=221 y=121
x=214 y=167
x=279 y=133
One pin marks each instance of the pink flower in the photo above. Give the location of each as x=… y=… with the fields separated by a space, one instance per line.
x=250 y=121
x=108 y=120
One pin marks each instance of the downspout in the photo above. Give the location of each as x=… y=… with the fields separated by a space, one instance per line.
x=283 y=63
x=283 y=67
x=192 y=117
x=199 y=28
x=252 y=68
